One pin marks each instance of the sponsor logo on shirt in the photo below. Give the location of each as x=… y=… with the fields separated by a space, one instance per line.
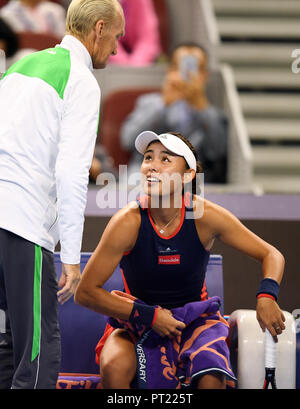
x=167 y=250
x=175 y=259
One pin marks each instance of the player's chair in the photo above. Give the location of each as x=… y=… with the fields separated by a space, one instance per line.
x=247 y=350
x=81 y=330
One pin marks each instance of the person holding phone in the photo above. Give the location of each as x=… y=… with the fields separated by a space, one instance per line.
x=183 y=105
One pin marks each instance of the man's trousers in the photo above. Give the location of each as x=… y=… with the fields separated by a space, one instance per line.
x=29 y=332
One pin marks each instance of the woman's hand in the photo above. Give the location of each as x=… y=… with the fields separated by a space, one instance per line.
x=166 y=325
x=270 y=316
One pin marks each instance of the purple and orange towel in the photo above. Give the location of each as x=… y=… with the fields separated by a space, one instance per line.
x=201 y=348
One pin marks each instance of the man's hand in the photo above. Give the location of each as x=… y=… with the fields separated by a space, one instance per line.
x=68 y=281
x=166 y=325
x=270 y=316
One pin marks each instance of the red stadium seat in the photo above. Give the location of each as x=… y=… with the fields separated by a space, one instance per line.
x=115 y=109
x=3 y=3
x=37 y=41
x=164 y=25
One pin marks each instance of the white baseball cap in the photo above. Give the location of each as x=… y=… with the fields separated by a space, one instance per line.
x=171 y=142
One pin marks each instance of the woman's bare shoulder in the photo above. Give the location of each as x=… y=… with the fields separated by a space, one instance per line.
x=123 y=227
x=206 y=211
x=128 y=216
x=204 y=207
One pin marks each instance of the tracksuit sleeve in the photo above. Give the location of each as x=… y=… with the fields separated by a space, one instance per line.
x=76 y=148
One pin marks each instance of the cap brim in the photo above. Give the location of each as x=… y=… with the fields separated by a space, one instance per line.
x=143 y=140
x=170 y=141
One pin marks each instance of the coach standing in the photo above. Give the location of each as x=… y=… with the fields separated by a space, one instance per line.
x=49 y=111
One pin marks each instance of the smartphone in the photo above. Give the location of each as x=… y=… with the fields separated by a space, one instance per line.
x=188 y=65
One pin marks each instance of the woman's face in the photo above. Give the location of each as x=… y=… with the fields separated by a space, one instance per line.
x=163 y=172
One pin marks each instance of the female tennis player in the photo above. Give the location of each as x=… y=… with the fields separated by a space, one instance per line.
x=163 y=255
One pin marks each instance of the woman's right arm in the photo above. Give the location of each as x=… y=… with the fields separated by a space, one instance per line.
x=118 y=237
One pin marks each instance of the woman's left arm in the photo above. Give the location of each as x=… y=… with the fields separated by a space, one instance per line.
x=233 y=233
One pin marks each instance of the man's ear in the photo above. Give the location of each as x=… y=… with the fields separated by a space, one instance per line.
x=99 y=28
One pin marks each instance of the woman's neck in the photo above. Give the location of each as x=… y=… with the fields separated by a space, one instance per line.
x=163 y=211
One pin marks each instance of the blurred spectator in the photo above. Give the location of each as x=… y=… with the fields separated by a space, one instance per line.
x=102 y=163
x=182 y=106
x=9 y=43
x=8 y=39
x=141 y=44
x=35 y=15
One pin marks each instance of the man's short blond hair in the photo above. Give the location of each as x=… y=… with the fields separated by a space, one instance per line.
x=82 y=15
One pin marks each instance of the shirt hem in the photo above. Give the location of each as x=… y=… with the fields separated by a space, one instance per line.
x=29 y=237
